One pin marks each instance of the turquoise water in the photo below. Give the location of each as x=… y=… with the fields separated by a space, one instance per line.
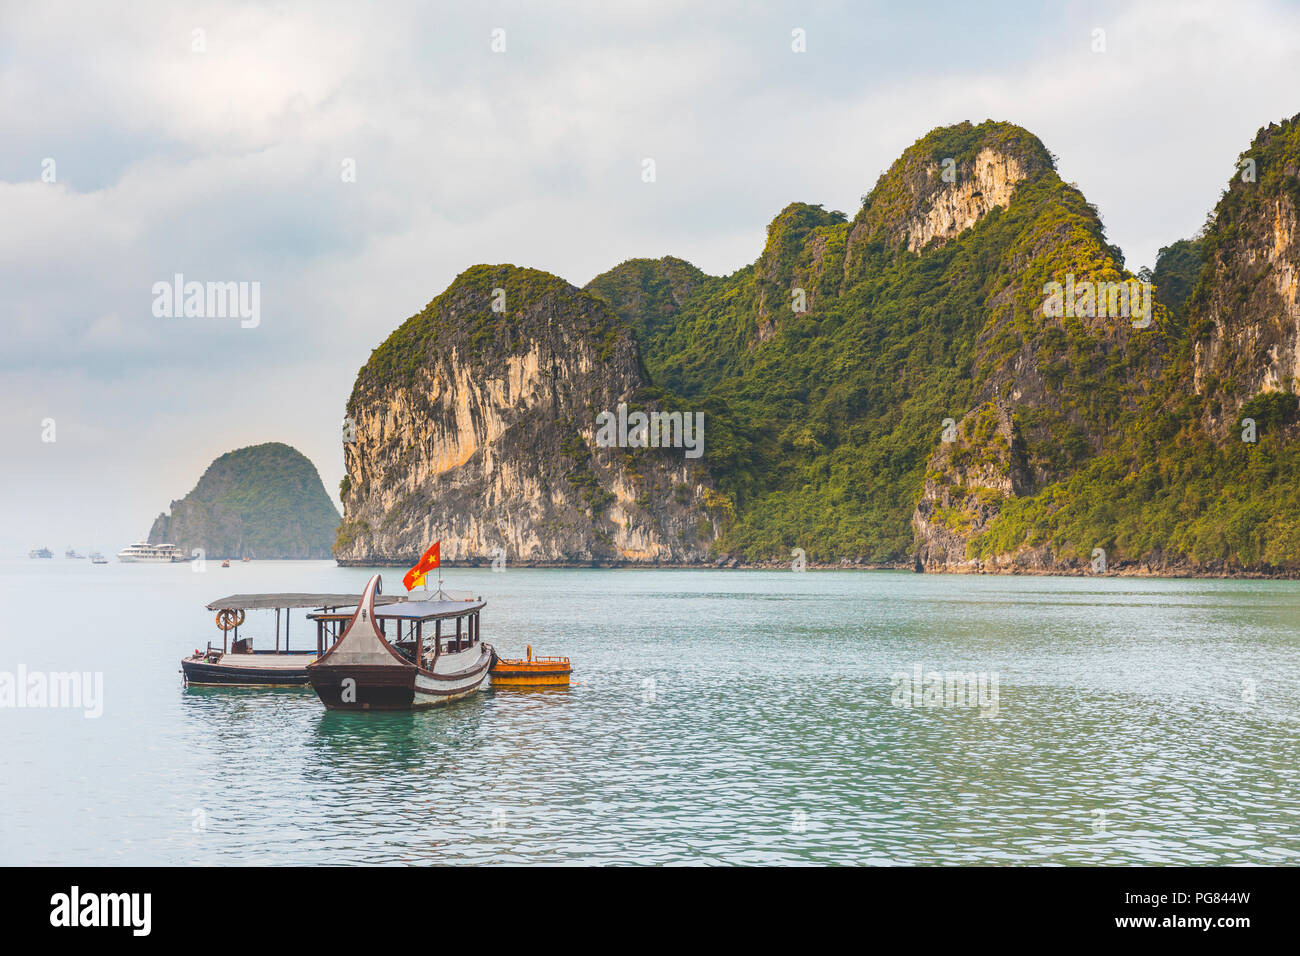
x=716 y=717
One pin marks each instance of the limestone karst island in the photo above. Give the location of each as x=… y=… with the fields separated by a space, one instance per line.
x=899 y=387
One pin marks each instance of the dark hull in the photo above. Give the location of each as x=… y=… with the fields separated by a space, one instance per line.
x=377 y=688
x=394 y=687
x=219 y=675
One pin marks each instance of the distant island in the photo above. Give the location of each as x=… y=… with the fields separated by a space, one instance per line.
x=962 y=376
x=264 y=501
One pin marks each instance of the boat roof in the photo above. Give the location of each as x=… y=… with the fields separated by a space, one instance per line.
x=415 y=610
x=427 y=610
x=255 y=602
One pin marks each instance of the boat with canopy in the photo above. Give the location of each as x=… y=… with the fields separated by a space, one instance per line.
x=237 y=663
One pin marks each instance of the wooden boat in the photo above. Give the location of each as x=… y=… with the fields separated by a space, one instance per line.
x=420 y=667
x=532 y=672
x=236 y=663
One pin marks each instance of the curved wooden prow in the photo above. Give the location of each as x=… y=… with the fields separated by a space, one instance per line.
x=362 y=642
x=365 y=612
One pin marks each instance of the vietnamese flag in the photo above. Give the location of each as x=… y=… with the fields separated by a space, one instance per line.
x=432 y=559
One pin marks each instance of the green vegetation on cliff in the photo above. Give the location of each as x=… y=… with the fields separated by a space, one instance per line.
x=1177 y=484
x=1126 y=432
x=480 y=312
x=837 y=408
x=1177 y=268
x=895 y=384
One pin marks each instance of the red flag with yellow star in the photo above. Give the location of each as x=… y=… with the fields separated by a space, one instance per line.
x=431 y=559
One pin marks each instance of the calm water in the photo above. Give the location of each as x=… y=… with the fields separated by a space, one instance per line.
x=717 y=717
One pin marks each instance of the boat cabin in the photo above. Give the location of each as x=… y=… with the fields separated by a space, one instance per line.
x=425 y=652
x=436 y=627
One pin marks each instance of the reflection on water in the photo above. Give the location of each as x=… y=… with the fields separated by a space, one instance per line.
x=714 y=717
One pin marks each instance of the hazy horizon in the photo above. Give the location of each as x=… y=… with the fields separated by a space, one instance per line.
x=224 y=155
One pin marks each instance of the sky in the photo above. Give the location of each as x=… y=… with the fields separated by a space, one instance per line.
x=352 y=159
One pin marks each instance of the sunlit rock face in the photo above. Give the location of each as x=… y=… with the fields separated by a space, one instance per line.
x=952 y=211
x=1251 y=307
x=475 y=424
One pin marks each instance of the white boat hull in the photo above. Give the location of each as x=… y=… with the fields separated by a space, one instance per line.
x=457 y=676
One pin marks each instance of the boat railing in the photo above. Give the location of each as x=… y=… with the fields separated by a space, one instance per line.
x=534 y=659
x=449 y=646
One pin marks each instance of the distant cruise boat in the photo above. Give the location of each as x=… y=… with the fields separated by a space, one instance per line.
x=141 y=553
x=71 y=553
x=40 y=553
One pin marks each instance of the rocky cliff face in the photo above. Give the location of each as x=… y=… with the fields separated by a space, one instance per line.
x=1248 y=307
x=264 y=501
x=951 y=212
x=1160 y=478
x=476 y=423
x=980 y=463
x=945 y=184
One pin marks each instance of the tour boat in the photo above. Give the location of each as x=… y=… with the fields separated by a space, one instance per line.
x=71 y=554
x=144 y=553
x=40 y=553
x=236 y=663
x=420 y=667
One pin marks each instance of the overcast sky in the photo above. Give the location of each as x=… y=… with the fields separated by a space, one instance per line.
x=220 y=155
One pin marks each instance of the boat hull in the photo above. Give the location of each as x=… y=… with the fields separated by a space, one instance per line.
x=246 y=670
x=506 y=675
x=401 y=686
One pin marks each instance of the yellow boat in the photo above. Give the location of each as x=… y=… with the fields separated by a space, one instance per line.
x=531 y=672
